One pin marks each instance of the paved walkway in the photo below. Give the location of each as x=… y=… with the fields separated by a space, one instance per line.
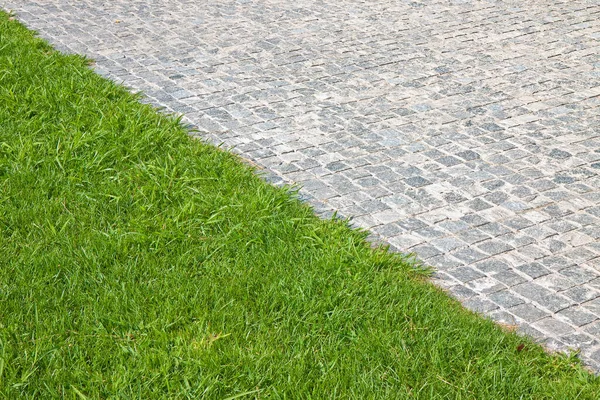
x=465 y=131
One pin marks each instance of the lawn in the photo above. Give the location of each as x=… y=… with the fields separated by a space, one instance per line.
x=138 y=262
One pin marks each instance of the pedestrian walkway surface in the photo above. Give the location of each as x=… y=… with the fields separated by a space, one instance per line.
x=467 y=132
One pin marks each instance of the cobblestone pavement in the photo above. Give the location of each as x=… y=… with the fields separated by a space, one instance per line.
x=465 y=131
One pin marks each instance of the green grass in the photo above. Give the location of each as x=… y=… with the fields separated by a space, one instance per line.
x=136 y=262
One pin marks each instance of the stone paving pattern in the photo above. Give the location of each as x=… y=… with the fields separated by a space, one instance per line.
x=467 y=132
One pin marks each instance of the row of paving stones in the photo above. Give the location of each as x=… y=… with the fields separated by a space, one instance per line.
x=467 y=132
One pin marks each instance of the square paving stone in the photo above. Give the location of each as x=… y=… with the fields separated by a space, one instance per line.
x=468 y=255
x=472 y=236
x=506 y=299
x=528 y=312
x=448 y=244
x=462 y=292
x=593 y=328
x=593 y=306
x=493 y=247
x=417 y=181
x=553 y=327
x=464 y=274
x=480 y=305
x=577 y=317
x=542 y=296
x=509 y=278
x=581 y=294
x=534 y=270
x=485 y=285
x=579 y=274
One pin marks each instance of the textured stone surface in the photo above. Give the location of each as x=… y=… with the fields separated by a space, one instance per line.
x=465 y=131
